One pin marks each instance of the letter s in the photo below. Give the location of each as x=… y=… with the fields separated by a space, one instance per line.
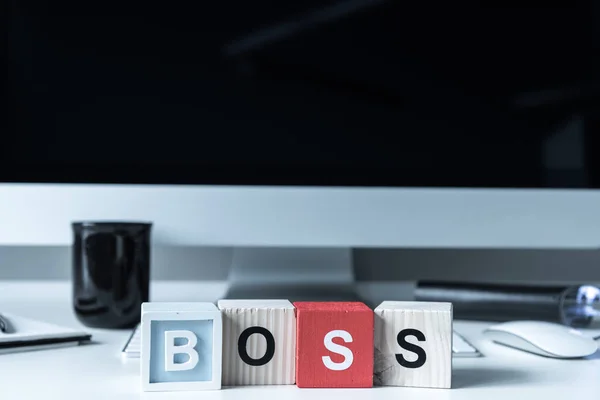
x=421 y=355
x=339 y=349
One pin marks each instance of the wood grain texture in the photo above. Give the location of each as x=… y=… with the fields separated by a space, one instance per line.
x=261 y=367
x=396 y=339
x=334 y=345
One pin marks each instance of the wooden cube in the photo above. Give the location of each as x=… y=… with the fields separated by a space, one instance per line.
x=181 y=346
x=259 y=342
x=413 y=344
x=334 y=345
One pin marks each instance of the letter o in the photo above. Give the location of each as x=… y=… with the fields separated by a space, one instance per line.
x=243 y=341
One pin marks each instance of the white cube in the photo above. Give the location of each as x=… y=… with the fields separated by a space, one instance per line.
x=181 y=346
x=413 y=344
x=259 y=342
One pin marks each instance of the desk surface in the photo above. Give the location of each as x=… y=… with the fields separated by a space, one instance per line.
x=97 y=371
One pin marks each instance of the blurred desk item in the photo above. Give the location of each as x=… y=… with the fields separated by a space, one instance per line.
x=133 y=346
x=3 y=325
x=27 y=335
x=575 y=306
x=546 y=339
x=462 y=348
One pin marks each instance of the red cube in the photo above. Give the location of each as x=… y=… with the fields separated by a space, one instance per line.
x=334 y=347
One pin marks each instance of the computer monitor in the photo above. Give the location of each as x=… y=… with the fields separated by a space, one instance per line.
x=277 y=128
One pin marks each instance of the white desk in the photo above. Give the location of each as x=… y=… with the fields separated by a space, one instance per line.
x=97 y=371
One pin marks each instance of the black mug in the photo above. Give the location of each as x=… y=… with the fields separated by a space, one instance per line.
x=111 y=272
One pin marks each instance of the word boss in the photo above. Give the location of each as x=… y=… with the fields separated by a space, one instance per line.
x=199 y=346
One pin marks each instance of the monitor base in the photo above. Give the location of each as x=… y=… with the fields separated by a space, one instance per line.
x=296 y=274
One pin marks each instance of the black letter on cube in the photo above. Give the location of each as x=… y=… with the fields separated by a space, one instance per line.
x=411 y=347
x=243 y=340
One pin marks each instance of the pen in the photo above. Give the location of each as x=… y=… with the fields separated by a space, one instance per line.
x=3 y=324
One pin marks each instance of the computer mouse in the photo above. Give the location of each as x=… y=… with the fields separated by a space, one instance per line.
x=543 y=338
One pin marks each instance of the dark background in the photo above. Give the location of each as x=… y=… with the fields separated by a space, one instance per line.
x=357 y=93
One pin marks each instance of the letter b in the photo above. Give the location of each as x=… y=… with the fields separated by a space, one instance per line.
x=188 y=348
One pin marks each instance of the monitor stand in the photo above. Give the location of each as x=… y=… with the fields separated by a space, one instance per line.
x=296 y=274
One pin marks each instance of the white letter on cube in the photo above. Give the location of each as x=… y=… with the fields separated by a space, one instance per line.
x=171 y=349
x=413 y=344
x=181 y=346
x=259 y=342
x=338 y=349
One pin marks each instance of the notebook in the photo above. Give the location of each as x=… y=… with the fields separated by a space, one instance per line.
x=460 y=346
x=26 y=334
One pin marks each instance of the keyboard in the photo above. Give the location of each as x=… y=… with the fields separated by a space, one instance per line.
x=133 y=346
x=460 y=346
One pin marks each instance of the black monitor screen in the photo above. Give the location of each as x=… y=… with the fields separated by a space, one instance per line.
x=351 y=93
